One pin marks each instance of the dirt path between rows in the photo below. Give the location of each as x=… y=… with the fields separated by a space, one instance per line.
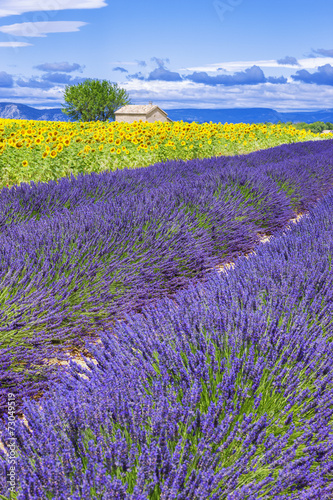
x=220 y=267
x=263 y=239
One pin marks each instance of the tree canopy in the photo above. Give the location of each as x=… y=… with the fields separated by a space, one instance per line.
x=94 y=100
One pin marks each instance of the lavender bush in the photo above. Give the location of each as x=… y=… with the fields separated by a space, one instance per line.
x=224 y=391
x=76 y=255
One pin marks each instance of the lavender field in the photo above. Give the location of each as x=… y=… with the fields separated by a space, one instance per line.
x=213 y=386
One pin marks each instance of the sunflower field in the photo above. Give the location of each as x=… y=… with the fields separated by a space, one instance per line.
x=43 y=151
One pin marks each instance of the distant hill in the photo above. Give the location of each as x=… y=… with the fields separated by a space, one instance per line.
x=23 y=112
x=232 y=115
x=323 y=115
x=249 y=115
x=245 y=115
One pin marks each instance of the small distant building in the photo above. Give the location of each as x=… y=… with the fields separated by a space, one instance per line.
x=327 y=132
x=146 y=112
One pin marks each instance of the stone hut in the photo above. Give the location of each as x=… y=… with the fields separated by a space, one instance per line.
x=147 y=113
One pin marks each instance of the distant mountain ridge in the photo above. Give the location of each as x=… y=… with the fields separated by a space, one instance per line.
x=23 y=112
x=249 y=115
x=232 y=115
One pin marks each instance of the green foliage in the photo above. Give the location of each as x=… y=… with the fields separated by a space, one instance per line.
x=94 y=100
x=316 y=127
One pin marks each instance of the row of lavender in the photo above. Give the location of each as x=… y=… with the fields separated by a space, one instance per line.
x=223 y=392
x=21 y=203
x=77 y=254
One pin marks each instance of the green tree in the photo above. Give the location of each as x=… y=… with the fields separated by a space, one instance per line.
x=317 y=127
x=94 y=100
x=302 y=126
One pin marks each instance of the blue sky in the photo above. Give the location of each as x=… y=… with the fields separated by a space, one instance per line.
x=177 y=54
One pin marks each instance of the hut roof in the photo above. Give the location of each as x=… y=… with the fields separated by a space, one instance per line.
x=139 y=109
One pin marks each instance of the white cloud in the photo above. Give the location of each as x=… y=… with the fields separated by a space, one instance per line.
x=313 y=62
x=14 y=44
x=308 y=63
x=186 y=94
x=17 y=7
x=40 y=29
x=124 y=63
x=33 y=97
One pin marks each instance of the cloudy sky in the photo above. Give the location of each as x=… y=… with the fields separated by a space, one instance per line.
x=176 y=53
